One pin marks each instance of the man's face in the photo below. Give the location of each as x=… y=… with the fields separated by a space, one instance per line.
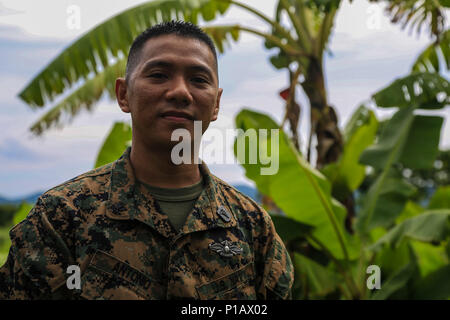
x=173 y=84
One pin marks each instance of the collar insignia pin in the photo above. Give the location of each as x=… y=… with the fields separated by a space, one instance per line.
x=225 y=248
x=224 y=214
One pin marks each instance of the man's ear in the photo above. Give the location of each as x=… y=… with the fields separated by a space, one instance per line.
x=217 y=106
x=121 y=94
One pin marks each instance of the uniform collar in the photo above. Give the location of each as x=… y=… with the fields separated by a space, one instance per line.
x=130 y=200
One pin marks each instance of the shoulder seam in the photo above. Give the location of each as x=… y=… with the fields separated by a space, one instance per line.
x=82 y=176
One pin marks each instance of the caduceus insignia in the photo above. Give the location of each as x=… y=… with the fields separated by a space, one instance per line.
x=225 y=248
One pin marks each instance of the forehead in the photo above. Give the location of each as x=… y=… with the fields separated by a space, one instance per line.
x=179 y=48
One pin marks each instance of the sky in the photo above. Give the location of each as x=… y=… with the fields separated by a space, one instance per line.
x=367 y=53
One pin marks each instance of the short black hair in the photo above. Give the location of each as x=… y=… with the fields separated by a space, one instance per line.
x=179 y=28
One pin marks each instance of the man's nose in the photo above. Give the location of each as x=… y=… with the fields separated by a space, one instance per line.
x=179 y=92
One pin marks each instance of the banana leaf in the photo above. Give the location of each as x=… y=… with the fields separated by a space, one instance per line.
x=302 y=192
x=92 y=52
x=118 y=139
x=359 y=133
x=440 y=199
x=430 y=226
x=406 y=138
x=419 y=90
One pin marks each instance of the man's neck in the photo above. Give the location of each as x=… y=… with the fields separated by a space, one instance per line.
x=156 y=168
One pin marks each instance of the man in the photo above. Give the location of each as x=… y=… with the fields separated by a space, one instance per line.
x=143 y=227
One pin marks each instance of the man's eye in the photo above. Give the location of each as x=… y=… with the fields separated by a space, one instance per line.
x=157 y=75
x=199 y=80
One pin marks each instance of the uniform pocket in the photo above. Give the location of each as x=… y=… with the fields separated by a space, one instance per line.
x=238 y=285
x=108 y=278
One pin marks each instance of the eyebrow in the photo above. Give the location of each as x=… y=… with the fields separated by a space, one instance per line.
x=165 y=64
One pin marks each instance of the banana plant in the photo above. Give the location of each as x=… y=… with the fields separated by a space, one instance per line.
x=411 y=251
x=118 y=139
x=301 y=192
x=407 y=138
x=417 y=13
x=429 y=59
x=415 y=252
x=347 y=174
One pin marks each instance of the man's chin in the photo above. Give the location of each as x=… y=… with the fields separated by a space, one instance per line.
x=168 y=141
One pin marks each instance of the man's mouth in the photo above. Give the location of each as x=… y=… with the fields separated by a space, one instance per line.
x=177 y=116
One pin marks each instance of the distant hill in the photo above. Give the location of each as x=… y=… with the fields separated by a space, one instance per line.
x=31 y=198
x=249 y=191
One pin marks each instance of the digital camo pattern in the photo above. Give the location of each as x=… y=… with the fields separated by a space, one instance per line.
x=126 y=248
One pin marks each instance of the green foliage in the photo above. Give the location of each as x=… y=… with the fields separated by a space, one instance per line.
x=418 y=90
x=395 y=284
x=406 y=139
x=348 y=173
x=417 y=13
x=318 y=280
x=22 y=212
x=407 y=241
x=429 y=59
x=435 y=286
x=440 y=199
x=429 y=179
x=409 y=139
x=222 y=34
x=430 y=226
x=289 y=229
x=118 y=139
x=430 y=257
x=307 y=198
x=5 y=243
x=410 y=210
x=7 y=213
x=83 y=97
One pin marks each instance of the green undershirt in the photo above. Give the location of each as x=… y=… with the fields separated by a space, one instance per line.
x=176 y=203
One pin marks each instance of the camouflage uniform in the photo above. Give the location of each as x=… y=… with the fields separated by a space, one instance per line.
x=126 y=248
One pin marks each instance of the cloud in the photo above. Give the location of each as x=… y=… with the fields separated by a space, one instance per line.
x=38 y=177
x=23 y=56
x=10 y=85
x=49 y=18
x=13 y=150
x=5 y=11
